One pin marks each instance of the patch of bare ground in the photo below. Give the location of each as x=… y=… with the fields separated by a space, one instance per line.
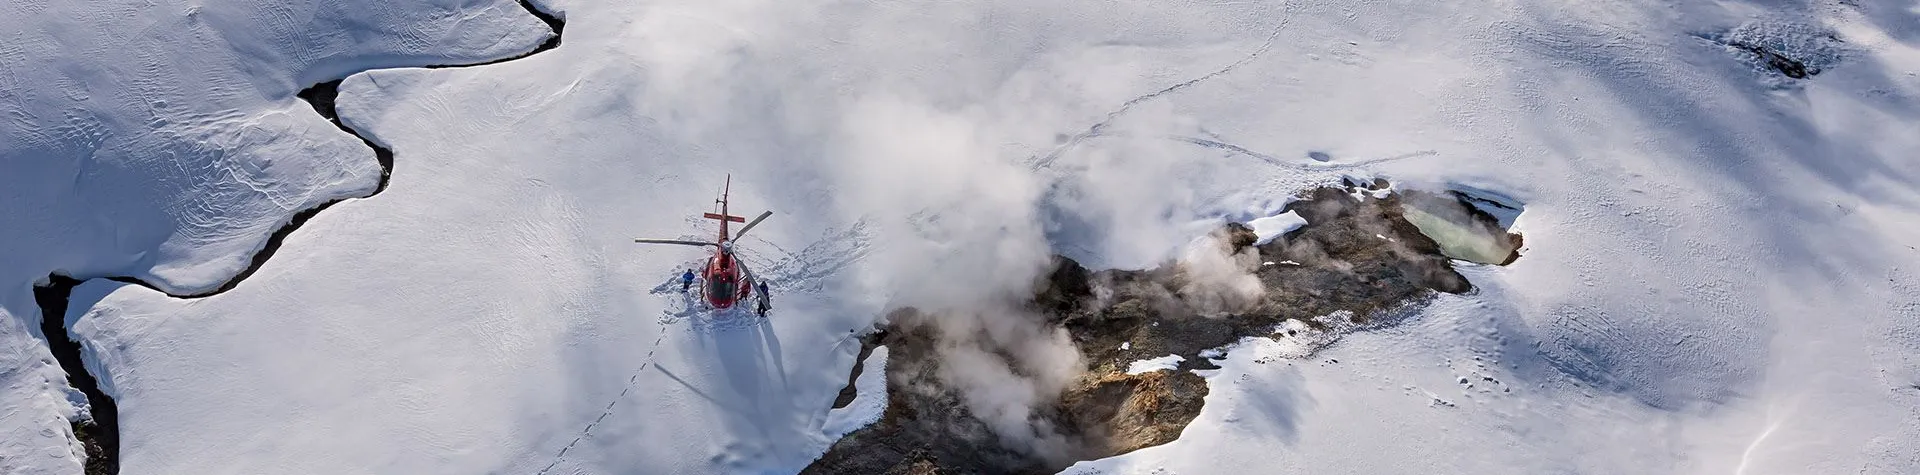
x=1358 y=259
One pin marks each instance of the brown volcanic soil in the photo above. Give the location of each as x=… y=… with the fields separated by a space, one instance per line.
x=1357 y=257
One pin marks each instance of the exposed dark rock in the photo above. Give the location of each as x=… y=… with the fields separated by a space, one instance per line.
x=1357 y=256
x=1119 y=413
x=1780 y=63
x=926 y=428
x=1791 y=49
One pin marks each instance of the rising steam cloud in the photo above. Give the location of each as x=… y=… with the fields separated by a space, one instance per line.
x=964 y=245
x=964 y=224
x=1217 y=279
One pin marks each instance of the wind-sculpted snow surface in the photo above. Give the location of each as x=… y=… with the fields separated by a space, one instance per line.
x=161 y=141
x=164 y=142
x=1716 y=275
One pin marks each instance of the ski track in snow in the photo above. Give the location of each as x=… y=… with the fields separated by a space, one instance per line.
x=1217 y=144
x=1095 y=130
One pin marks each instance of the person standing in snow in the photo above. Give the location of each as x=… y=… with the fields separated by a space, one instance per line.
x=686 y=281
x=766 y=299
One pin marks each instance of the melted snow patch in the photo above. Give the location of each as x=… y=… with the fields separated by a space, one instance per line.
x=1451 y=220
x=1168 y=363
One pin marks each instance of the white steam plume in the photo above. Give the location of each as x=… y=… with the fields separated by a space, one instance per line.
x=1216 y=279
x=962 y=243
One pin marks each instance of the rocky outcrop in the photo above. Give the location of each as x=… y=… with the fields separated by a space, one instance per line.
x=1356 y=262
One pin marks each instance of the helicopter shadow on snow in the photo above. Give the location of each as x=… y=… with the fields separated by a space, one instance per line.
x=744 y=379
x=744 y=357
x=736 y=327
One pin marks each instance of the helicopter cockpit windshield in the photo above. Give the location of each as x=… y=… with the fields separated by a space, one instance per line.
x=721 y=288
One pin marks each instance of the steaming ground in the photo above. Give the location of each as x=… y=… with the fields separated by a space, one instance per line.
x=1715 y=275
x=1357 y=264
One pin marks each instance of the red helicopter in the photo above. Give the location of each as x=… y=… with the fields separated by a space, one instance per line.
x=725 y=280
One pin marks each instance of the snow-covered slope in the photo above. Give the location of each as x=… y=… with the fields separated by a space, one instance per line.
x=1717 y=275
x=1713 y=279
x=162 y=141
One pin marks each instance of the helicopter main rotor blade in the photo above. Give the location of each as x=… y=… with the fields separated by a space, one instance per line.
x=749 y=226
x=674 y=241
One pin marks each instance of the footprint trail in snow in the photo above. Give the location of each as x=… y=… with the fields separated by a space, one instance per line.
x=631 y=381
x=801 y=271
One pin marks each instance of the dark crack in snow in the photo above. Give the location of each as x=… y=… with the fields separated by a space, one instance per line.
x=99 y=431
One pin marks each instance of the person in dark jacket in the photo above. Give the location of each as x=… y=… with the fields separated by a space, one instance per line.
x=766 y=298
x=686 y=280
